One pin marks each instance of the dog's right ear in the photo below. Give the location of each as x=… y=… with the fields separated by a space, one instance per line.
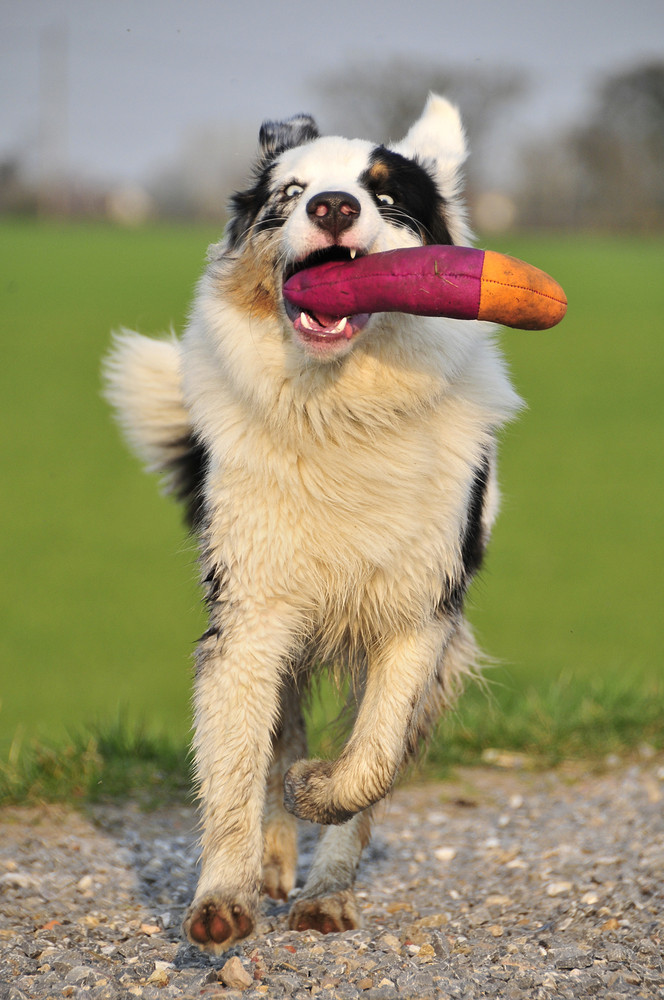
x=437 y=140
x=275 y=137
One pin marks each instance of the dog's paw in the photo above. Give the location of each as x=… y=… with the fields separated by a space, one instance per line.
x=308 y=793
x=278 y=879
x=327 y=914
x=279 y=857
x=213 y=923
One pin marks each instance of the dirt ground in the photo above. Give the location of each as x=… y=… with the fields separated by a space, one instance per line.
x=502 y=882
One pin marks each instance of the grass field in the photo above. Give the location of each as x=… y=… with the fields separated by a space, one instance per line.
x=100 y=608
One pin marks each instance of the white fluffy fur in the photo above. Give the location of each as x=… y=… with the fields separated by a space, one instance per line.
x=336 y=495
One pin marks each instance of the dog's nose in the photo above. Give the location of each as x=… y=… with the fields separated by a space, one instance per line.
x=333 y=211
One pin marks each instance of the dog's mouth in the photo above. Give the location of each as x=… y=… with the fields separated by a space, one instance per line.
x=317 y=330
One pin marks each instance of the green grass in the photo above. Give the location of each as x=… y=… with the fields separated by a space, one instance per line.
x=99 y=603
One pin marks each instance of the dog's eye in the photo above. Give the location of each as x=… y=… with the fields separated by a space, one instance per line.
x=293 y=190
x=385 y=199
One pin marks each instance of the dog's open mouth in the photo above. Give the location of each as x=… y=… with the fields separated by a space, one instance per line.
x=318 y=329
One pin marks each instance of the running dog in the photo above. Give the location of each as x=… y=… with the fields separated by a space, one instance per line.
x=339 y=474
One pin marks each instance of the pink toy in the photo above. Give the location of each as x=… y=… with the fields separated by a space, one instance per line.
x=460 y=282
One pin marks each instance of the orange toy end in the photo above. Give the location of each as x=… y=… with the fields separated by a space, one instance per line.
x=517 y=294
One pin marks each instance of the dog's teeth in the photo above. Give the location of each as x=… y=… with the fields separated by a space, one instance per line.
x=305 y=321
x=353 y=253
x=341 y=325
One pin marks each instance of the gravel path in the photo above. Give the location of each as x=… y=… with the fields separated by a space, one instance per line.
x=500 y=883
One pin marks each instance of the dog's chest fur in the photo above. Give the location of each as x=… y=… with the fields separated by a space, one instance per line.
x=341 y=489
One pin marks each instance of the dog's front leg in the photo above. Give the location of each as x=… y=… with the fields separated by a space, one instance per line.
x=239 y=674
x=399 y=677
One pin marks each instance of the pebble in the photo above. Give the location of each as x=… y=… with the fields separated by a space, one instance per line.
x=552 y=885
x=234 y=974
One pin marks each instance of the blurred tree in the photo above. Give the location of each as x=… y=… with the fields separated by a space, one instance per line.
x=621 y=152
x=381 y=100
x=609 y=171
x=212 y=162
x=17 y=195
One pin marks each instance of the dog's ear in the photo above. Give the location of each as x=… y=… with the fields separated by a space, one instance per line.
x=437 y=140
x=275 y=137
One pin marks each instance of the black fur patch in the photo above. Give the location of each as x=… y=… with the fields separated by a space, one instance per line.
x=418 y=205
x=450 y=603
x=472 y=547
x=215 y=585
x=274 y=138
x=187 y=471
x=246 y=205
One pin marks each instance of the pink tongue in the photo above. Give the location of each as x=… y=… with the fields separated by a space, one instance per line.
x=323 y=320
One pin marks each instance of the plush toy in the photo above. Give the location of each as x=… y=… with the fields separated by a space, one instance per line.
x=460 y=282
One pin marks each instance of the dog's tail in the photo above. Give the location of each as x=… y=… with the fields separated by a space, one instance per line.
x=142 y=383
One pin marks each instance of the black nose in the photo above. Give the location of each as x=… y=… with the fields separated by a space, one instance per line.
x=333 y=211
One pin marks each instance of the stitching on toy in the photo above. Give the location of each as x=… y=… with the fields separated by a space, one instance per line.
x=522 y=288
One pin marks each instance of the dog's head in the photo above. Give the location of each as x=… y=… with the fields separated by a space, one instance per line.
x=317 y=198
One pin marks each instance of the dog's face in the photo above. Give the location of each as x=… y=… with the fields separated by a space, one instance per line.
x=326 y=198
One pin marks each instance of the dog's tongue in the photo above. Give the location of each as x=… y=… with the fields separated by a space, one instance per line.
x=324 y=320
x=320 y=323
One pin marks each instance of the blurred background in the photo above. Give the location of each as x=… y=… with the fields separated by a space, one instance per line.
x=142 y=109
x=125 y=126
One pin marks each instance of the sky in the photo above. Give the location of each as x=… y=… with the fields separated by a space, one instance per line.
x=110 y=90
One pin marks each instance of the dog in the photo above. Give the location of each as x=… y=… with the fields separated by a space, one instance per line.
x=340 y=477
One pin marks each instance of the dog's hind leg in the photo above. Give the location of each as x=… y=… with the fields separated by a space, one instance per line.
x=240 y=670
x=327 y=902
x=279 y=826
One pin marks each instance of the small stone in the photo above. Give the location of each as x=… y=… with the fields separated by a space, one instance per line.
x=414 y=983
x=234 y=974
x=159 y=978
x=398 y=907
x=440 y=945
x=496 y=930
x=383 y=993
x=618 y=953
x=497 y=900
x=558 y=888
x=17 y=880
x=163 y=966
x=445 y=853
x=389 y=942
x=84 y=884
x=574 y=959
x=433 y=920
x=286 y=981
x=81 y=974
x=365 y=984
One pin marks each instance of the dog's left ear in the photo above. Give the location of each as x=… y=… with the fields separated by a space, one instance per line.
x=275 y=137
x=438 y=141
